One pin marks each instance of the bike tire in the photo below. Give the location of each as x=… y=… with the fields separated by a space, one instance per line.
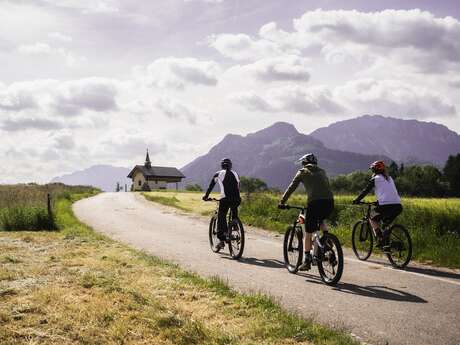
x=293 y=234
x=213 y=240
x=397 y=234
x=327 y=256
x=236 y=239
x=362 y=249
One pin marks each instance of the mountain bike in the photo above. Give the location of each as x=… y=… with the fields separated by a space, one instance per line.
x=399 y=251
x=234 y=237
x=327 y=251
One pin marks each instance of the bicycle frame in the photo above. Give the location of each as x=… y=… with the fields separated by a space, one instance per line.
x=367 y=217
x=316 y=235
x=230 y=217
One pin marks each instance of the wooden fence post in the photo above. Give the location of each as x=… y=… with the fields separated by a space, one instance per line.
x=50 y=211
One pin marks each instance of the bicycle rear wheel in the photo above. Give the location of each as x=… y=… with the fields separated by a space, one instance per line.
x=236 y=238
x=362 y=240
x=330 y=262
x=400 y=246
x=213 y=240
x=293 y=248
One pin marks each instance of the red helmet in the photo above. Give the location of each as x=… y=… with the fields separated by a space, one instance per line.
x=378 y=166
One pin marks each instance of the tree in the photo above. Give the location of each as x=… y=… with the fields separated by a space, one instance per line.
x=393 y=170
x=193 y=188
x=451 y=174
x=146 y=187
x=251 y=185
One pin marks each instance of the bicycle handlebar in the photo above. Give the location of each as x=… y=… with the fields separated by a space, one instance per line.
x=212 y=199
x=287 y=207
x=373 y=203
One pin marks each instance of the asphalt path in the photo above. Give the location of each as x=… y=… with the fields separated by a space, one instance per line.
x=374 y=302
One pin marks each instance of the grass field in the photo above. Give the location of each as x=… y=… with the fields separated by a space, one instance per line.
x=434 y=224
x=24 y=206
x=75 y=286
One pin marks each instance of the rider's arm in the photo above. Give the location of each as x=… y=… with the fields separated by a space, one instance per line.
x=292 y=187
x=366 y=190
x=211 y=185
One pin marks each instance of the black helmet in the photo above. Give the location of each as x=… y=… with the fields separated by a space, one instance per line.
x=309 y=158
x=226 y=163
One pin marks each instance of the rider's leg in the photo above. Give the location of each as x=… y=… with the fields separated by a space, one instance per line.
x=222 y=219
x=307 y=241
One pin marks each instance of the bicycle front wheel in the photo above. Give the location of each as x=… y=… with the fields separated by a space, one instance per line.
x=330 y=262
x=293 y=248
x=362 y=240
x=236 y=238
x=400 y=243
x=213 y=240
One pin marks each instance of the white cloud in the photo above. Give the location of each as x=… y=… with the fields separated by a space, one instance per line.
x=22 y=124
x=363 y=96
x=40 y=48
x=87 y=6
x=283 y=68
x=409 y=37
x=394 y=98
x=94 y=94
x=16 y=98
x=252 y=101
x=243 y=47
x=57 y=36
x=176 y=73
x=309 y=101
x=176 y=110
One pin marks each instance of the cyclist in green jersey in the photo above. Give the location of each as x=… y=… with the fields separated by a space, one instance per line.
x=320 y=202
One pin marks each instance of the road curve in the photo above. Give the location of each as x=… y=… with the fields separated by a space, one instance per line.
x=376 y=303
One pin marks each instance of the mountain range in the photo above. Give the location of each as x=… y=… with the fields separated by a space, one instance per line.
x=104 y=177
x=408 y=141
x=270 y=153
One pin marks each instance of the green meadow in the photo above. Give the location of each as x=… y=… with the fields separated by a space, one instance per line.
x=434 y=224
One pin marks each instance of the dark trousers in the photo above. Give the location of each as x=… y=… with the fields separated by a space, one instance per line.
x=225 y=205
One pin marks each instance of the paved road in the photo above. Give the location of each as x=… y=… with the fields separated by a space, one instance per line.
x=376 y=303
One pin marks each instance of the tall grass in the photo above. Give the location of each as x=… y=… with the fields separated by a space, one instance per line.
x=24 y=206
x=434 y=224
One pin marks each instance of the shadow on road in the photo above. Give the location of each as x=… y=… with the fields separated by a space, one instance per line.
x=428 y=271
x=381 y=292
x=271 y=263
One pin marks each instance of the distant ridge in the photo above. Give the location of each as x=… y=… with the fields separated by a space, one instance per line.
x=270 y=154
x=403 y=140
x=104 y=177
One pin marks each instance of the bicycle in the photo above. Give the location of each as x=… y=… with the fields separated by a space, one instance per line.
x=327 y=251
x=234 y=237
x=399 y=240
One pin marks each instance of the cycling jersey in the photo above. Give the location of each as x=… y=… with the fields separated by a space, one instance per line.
x=385 y=190
x=229 y=184
x=315 y=181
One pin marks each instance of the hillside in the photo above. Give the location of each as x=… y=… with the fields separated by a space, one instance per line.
x=403 y=140
x=104 y=177
x=270 y=154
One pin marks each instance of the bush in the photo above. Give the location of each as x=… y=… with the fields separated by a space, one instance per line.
x=434 y=224
x=193 y=188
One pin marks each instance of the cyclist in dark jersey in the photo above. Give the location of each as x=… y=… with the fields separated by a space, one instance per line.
x=229 y=184
x=320 y=202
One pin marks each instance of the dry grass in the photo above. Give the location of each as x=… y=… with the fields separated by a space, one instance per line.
x=76 y=287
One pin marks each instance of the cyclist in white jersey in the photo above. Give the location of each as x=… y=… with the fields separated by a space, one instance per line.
x=389 y=203
x=229 y=185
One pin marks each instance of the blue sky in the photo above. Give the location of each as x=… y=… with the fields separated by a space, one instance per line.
x=96 y=81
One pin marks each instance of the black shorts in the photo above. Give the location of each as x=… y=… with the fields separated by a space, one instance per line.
x=317 y=212
x=387 y=213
